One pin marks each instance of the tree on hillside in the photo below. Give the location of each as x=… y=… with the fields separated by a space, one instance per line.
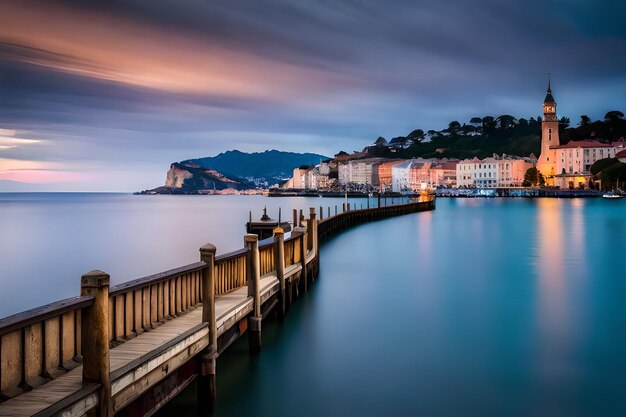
x=505 y=121
x=416 y=136
x=341 y=153
x=380 y=141
x=584 y=121
x=454 y=126
x=432 y=133
x=398 y=142
x=533 y=177
x=601 y=164
x=476 y=121
x=611 y=175
x=613 y=116
x=489 y=124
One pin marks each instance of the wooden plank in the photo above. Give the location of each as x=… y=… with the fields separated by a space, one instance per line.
x=145 y=308
x=67 y=338
x=129 y=311
x=137 y=311
x=118 y=326
x=51 y=340
x=32 y=351
x=153 y=306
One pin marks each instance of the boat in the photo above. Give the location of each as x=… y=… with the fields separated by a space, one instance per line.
x=612 y=195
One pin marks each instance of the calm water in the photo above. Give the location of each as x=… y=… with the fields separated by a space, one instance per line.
x=47 y=241
x=481 y=308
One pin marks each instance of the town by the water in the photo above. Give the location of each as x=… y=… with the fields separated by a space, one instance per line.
x=584 y=167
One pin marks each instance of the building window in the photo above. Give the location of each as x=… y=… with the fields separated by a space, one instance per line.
x=549 y=135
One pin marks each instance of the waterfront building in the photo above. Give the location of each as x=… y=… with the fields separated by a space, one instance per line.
x=493 y=172
x=443 y=174
x=384 y=173
x=406 y=176
x=567 y=166
x=360 y=172
x=400 y=175
x=301 y=179
x=432 y=173
x=574 y=159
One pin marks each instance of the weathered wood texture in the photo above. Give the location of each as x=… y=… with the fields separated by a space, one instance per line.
x=40 y=344
x=146 y=303
x=230 y=271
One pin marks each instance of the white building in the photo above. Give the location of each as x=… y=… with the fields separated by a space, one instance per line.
x=496 y=171
x=402 y=176
x=574 y=159
x=360 y=171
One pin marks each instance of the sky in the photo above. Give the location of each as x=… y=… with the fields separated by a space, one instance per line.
x=104 y=95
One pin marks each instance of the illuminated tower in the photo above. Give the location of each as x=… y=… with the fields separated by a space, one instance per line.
x=549 y=138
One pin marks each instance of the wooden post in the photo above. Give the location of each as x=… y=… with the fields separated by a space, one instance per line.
x=303 y=242
x=309 y=227
x=251 y=241
x=279 y=261
x=321 y=212
x=207 y=386
x=316 y=246
x=295 y=219
x=335 y=209
x=378 y=199
x=301 y=224
x=343 y=207
x=328 y=211
x=348 y=206
x=95 y=338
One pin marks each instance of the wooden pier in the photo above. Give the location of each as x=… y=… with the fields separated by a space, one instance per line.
x=127 y=350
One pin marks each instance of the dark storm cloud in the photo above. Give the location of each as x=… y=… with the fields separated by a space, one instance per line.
x=164 y=80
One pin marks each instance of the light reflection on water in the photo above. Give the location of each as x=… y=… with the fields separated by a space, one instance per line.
x=481 y=308
x=485 y=307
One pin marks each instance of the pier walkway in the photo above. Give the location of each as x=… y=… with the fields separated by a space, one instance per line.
x=128 y=349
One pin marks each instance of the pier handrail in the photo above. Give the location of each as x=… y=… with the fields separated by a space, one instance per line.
x=230 y=271
x=145 y=303
x=39 y=314
x=44 y=341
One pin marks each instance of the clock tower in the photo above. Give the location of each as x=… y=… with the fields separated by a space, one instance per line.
x=549 y=138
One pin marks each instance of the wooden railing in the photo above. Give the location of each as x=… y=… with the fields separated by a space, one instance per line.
x=39 y=344
x=330 y=226
x=266 y=256
x=292 y=249
x=230 y=271
x=143 y=304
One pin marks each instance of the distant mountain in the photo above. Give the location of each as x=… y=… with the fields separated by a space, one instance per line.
x=233 y=170
x=260 y=168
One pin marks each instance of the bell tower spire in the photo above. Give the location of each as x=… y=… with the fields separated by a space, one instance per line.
x=549 y=136
x=549 y=105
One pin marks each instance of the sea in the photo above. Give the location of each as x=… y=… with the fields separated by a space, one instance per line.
x=483 y=307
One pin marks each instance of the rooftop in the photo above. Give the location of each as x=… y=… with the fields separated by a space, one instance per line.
x=582 y=144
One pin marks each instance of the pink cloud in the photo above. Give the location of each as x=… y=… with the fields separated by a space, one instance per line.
x=41 y=176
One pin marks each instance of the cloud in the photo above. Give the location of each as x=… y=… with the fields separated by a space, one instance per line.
x=142 y=84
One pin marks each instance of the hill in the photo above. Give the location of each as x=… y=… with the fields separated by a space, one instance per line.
x=259 y=168
x=234 y=170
